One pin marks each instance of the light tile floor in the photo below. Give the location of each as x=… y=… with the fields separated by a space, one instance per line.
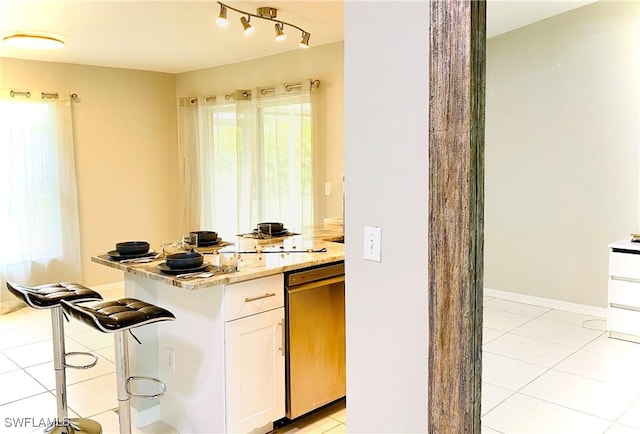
x=544 y=371
x=550 y=371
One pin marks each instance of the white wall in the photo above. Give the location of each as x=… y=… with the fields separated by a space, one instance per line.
x=324 y=63
x=386 y=182
x=562 y=151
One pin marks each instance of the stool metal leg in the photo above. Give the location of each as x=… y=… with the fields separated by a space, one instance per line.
x=57 y=327
x=63 y=424
x=122 y=374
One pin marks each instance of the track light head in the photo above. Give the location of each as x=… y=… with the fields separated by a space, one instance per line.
x=222 y=17
x=304 y=43
x=280 y=35
x=248 y=28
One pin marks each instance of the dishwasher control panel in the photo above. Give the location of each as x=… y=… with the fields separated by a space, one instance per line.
x=321 y=272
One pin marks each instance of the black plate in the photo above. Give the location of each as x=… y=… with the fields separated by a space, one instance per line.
x=166 y=269
x=118 y=257
x=273 y=234
x=209 y=243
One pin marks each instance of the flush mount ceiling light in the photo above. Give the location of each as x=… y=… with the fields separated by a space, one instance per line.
x=263 y=13
x=33 y=41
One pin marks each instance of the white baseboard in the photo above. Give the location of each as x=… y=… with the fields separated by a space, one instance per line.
x=547 y=302
x=145 y=417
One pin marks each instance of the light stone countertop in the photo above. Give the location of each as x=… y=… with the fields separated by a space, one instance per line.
x=625 y=244
x=251 y=265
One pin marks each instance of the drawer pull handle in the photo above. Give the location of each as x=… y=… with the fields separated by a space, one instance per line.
x=260 y=297
x=624 y=307
x=625 y=279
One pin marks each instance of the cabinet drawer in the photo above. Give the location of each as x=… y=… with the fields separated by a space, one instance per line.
x=623 y=321
x=624 y=265
x=624 y=292
x=254 y=296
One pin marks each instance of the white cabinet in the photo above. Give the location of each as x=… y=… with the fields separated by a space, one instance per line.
x=623 y=310
x=254 y=354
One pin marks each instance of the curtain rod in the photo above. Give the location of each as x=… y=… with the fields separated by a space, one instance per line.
x=289 y=87
x=43 y=95
x=244 y=94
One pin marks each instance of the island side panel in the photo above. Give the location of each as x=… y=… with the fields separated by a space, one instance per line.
x=143 y=359
x=194 y=401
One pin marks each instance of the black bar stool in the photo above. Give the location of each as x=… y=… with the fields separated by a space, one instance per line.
x=117 y=317
x=50 y=296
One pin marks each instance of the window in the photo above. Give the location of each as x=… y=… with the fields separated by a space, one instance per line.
x=286 y=164
x=254 y=162
x=35 y=190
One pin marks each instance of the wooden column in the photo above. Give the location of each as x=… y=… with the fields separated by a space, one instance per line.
x=456 y=195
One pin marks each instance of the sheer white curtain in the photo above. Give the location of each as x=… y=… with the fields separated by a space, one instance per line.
x=285 y=151
x=223 y=127
x=39 y=223
x=209 y=164
x=254 y=160
x=188 y=168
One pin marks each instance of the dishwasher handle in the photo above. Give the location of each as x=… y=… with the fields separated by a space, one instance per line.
x=316 y=284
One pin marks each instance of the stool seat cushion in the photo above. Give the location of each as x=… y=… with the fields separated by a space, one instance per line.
x=49 y=296
x=112 y=316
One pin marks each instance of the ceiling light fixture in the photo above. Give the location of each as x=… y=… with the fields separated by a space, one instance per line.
x=222 y=17
x=248 y=28
x=304 y=43
x=33 y=41
x=264 y=13
x=280 y=36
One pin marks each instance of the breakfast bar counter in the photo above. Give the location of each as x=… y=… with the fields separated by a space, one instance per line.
x=223 y=358
x=251 y=265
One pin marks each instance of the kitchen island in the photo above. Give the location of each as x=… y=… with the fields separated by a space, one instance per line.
x=223 y=357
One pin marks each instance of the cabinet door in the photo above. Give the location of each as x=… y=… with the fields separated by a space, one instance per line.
x=254 y=363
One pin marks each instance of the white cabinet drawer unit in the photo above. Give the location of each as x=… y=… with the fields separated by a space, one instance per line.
x=623 y=310
x=254 y=354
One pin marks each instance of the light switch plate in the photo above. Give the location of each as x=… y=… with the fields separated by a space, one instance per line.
x=372 y=243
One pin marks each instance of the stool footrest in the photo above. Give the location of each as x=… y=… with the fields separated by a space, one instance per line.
x=80 y=353
x=163 y=387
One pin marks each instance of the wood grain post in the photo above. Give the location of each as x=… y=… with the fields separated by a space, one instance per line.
x=456 y=200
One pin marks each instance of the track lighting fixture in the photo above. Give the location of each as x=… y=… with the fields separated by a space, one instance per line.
x=222 y=17
x=264 y=13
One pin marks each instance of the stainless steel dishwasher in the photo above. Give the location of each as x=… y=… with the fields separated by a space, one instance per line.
x=315 y=337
